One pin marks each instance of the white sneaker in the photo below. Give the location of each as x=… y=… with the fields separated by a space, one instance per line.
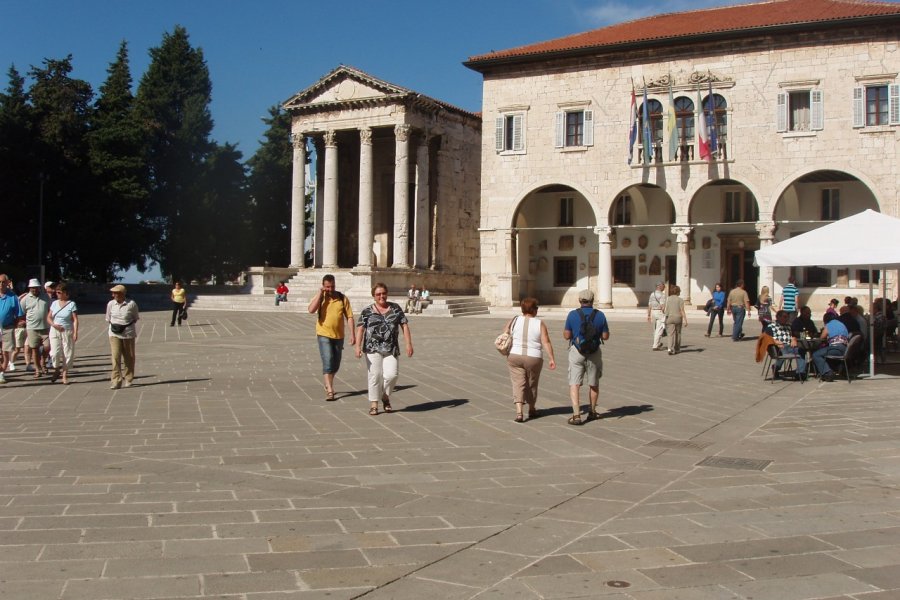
x=11 y=367
x=2 y=379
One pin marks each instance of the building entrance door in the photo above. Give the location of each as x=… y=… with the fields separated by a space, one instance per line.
x=739 y=265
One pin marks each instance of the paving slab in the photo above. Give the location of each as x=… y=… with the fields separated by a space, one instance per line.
x=223 y=473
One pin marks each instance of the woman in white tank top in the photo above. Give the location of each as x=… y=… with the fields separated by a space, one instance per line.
x=525 y=361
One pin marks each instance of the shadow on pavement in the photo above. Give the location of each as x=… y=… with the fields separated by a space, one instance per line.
x=626 y=411
x=435 y=405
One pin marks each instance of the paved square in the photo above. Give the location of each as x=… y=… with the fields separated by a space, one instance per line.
x=224 y=473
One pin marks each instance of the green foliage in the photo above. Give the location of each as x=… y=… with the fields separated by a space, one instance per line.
x=18 y=181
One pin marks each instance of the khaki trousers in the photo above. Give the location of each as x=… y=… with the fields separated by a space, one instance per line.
x=524 y=375
x=122 y=351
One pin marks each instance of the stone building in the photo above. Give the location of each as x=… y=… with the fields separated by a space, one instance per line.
x=397 y=185
x=801 y=96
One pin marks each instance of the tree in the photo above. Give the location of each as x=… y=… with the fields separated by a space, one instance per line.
x=172 y=104
x=118 y=167
x=223 y=216
x=270 y=192
x=61 y=108
x=19 y=187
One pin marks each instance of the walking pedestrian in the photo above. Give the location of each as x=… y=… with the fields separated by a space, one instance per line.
x=10 y=311
x=716 y=310
x=789 y=298
x=586 y=329
x=764 y=308
x=676 y=318
x=526 y=359
x=122 y=314
x=179 y=303
x=63 y=321
x=377 y=335
x=738 y=304
x=37 y=331
x=655 y=316
x=332 y=309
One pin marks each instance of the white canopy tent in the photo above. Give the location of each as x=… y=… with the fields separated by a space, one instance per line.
x=867 y=240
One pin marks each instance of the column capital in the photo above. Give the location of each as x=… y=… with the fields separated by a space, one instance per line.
x=402 y=132
x=330 y=138
x=298 y=141
x=681 y=233
x=604 y=232
x=365 y=136
x=766 y=230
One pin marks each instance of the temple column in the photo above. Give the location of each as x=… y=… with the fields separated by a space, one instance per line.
x=683 y=261
x=298 y=200
x=766 y=230
x=366 y=203
x=604 y=267
x=330 y=212
x=421 y=240
x=401 y=198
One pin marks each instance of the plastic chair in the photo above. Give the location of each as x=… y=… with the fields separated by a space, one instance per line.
x=773 y=354
x=848 y=356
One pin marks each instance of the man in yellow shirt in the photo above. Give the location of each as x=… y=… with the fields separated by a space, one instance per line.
x=332 y=309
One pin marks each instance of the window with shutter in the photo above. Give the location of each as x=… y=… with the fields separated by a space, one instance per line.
x=817 y=106
x=509 y=133
x=859 y=108
x=781 y=115
x=894 y=93
x=560 y=129
x=588 y=128
x=499 y=137
x=518 y=140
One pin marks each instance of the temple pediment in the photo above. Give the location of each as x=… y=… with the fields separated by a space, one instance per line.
x=345 y=84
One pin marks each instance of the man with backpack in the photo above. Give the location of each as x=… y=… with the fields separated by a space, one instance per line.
x=586 y=329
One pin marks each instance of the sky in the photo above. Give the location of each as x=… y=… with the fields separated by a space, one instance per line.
x=261 y=52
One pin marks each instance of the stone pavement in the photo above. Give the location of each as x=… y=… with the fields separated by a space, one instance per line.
x=224 y=474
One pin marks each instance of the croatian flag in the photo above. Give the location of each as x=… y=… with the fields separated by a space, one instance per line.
x=702 y=133
x=632 y=126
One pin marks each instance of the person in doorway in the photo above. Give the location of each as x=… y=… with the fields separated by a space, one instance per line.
x=655 y=316
x=716 y=309
x=586 y=329
x=377 y=335
x=332 y=310
x=738 y=304
x=676 y=318
x=122 y=314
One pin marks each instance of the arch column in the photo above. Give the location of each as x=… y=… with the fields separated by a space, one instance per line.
x=766 y=230
x=683 y=260
x=401 y=197
x=298 y=200
x=366 y=202
x=330 y=212
x=604 y=267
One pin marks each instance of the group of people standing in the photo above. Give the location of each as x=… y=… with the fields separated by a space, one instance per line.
x=42 y=323
x=667 y=315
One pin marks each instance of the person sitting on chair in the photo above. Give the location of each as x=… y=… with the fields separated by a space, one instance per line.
x=780 y=330
x=837 y=337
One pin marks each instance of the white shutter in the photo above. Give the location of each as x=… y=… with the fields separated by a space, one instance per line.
x=518 y=141
x=499 y=138
x=588 y=128
x=817 y=109
x=894 y=104
x=560 y=129
x=859 y=107
x=781 y=115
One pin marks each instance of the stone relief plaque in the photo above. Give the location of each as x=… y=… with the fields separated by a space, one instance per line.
x=566 y=242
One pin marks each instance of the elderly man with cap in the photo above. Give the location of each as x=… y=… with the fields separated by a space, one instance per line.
x=586 y=328
x=655 y=316
x=10 y=311
x=121 y=314
x=37 y=330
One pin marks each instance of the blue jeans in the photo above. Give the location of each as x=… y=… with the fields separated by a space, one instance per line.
x=798 y=354
x=738 y=312
x=330 y=350
x=819 y=357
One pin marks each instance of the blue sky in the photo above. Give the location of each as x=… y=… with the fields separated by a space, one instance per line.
x=261 y=52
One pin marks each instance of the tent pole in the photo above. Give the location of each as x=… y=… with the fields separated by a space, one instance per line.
x=871 y=327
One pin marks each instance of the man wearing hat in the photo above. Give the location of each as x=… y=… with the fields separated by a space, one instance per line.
x=655 y=306
x=121 y=314
x=585 y=366
x=10 y=311
x=37 y=331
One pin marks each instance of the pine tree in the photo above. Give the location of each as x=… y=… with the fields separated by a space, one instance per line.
x=19 y=186
x=270 y=192
x=116 y=151
x=173 y=105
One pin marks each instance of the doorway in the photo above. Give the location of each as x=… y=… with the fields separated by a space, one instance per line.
x=739 y=265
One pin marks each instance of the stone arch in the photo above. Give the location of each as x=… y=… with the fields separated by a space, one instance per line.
x=693 y=193
x=787 y=195
x=512 y=215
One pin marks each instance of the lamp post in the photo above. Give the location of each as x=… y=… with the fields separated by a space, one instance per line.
x=40 y=258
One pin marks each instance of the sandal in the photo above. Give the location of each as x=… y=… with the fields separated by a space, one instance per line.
x=593 y=415
x=373 y=411
x=520 y=419
x=574 y=420
x=329 y=396
x=387 y=404
x=533 y=414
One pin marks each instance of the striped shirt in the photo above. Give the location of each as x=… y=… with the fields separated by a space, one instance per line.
x=789 y=297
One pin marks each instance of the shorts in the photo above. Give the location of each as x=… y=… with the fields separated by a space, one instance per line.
x=585 y=370
x=7 y=339
x=20 y=337
x=38 y=337
x=330 y=350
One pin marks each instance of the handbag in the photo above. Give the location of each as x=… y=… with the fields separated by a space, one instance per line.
x=503 y=342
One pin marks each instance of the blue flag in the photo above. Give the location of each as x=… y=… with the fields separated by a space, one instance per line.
x=648 y=135
x=711 y=108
